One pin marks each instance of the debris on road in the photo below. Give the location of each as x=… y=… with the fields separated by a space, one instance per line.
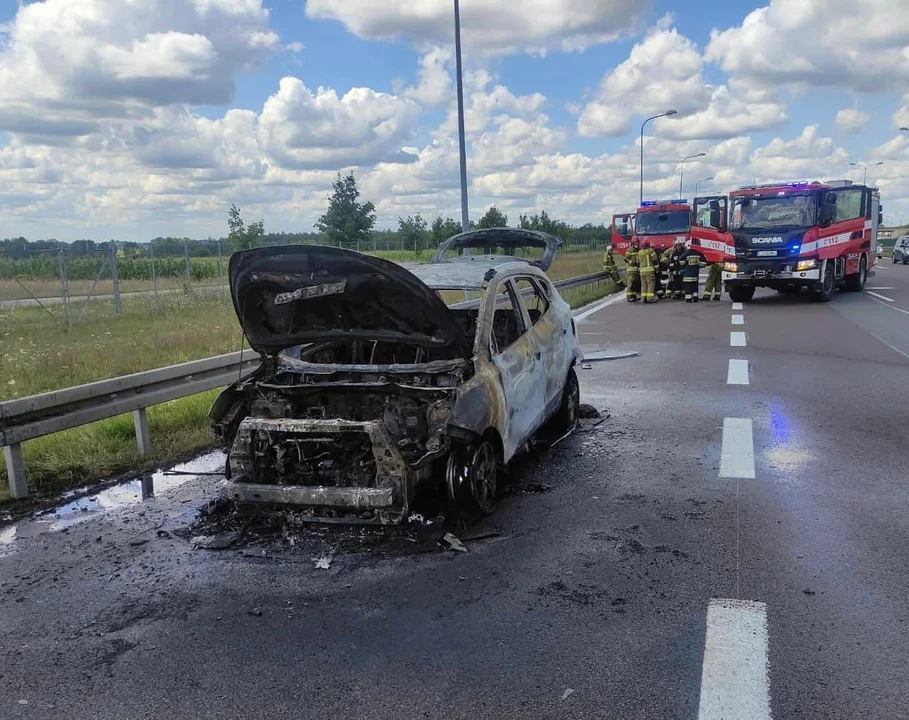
x=324 y=561
x=602 y=356
x=536 y=488
x=568 y=692
x=454 y=543
x=256 y=612
x=587 y=412
x=221 y=541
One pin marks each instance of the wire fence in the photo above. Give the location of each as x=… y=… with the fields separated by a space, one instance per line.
x=65 y=283
x=71 y=286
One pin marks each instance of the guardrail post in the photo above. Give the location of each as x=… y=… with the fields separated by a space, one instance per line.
x=15 y=471
x=143 y=439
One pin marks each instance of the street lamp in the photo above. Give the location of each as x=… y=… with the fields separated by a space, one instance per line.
x=865 y=168
x=665 y=114
x=465 y=218
x=698 y=184
x=682 y=168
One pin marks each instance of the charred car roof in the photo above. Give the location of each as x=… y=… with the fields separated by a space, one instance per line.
x=504 y=238
x=295 y=294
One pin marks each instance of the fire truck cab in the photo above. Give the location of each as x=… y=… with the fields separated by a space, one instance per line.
x=662 y=221
x=790 y=236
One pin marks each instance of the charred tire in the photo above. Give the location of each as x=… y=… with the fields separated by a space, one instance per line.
x=566 y=417
x=740 y=293
x=828 y=285
x=856 y=283
x=484 y=473
x=471 y=477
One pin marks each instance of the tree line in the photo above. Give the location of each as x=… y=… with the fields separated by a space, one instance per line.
x=347 y=222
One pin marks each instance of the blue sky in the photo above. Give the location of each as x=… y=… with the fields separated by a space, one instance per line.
x=131 y=120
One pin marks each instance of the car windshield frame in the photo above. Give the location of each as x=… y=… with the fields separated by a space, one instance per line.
x=662 y=227
x=792 y=219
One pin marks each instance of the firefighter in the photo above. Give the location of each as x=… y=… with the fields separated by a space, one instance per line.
x=648 y=263
x=672 y=258
x=692 y=261
x=609 y=267
x=659 y=286
x=714 y=281
x=633 y=277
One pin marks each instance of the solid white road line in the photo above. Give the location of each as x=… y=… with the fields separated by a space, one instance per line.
x=875 y=287
x=737 y=455
x=880 y=296
x=738 y=372
x=737 y=339
x=738 y=306
x=735 y=678
x=599 y=306
x=738 y=319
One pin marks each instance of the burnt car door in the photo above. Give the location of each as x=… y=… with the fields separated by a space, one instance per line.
x=549 y=332
x=516 y=354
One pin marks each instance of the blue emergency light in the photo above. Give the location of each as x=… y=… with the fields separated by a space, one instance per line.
x=653 y=203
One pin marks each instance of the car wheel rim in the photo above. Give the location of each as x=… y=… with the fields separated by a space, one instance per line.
x=573 y=402
x=483 y=477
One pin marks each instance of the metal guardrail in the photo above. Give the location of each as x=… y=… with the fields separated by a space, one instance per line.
x=38 y=415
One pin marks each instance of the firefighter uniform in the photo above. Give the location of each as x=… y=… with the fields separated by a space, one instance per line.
x=692 y=262
x=648 y=264
x=633 y=277
x=672 y=257
x=714 y=281
x=610 y=268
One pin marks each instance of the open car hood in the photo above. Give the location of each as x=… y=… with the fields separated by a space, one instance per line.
x=295 y=294
x=504 y=239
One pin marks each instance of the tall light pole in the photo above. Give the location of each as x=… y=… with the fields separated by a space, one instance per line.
x=465 y=218
x=698 y=184
x=682 y=168
x=865 y=168
x=665 y=114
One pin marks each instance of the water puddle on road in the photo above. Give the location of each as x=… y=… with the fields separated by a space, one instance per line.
x=131 y=492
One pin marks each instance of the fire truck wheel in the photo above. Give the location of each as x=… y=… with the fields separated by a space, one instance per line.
x=827 y=286
x=856 y=283
x=740 y=293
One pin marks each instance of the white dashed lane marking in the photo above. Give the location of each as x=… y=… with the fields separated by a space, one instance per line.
x=735 y=678
x=737 y=455
x=738 y=319
x=737 y=339
x=738 y=372
x=882 y=297
x=738 y=306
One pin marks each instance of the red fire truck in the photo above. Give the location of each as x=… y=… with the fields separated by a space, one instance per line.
x=661 y=222
x=791 y=236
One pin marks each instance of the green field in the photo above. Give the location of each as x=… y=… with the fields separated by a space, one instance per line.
x=38 y=354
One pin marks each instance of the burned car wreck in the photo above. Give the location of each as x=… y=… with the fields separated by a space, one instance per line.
x=371 y=387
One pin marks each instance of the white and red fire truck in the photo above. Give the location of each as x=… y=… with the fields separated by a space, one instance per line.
x=790 y=236
x=662 y=222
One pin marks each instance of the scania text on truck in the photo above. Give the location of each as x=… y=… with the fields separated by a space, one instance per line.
x=663 y=221
x=790 y=236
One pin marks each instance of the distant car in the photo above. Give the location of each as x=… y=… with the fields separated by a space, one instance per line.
x=372 y=387
x=901 y=250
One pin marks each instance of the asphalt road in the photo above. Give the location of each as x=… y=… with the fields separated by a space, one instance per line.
x=709 y=550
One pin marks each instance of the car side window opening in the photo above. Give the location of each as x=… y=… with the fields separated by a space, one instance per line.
x=507 y=321
x=534 y=300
